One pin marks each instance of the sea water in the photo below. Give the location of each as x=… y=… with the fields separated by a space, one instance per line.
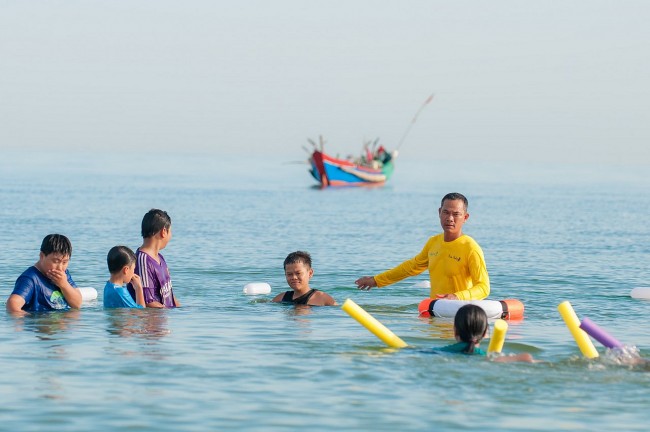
x=226 y=361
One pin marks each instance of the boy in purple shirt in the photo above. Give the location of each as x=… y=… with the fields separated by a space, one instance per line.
x=150 y=264
x=47 y=285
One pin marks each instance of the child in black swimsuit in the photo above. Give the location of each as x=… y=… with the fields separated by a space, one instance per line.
x=298 y=271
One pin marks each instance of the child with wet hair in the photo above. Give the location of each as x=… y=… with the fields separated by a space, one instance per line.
x=121 y=266
x=298 y=272
x=470 y=327
x=47 y=285
x=150 y=264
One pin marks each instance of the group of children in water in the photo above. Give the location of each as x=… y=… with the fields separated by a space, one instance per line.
x=138 y=279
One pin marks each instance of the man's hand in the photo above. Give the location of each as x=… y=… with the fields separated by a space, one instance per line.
x=366 y=282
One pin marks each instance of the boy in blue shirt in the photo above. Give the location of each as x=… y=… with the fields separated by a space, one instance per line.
x=121 y=265
x=47 y=285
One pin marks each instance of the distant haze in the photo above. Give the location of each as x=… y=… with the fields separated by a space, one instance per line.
x=513 y=80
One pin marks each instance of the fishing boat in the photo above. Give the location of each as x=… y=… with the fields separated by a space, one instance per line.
x=373 y=169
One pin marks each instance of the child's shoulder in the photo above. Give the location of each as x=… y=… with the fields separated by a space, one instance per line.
x=149 y=255
x=324 y=298
x=453 y=348
x=460 y=347
x=33 y=275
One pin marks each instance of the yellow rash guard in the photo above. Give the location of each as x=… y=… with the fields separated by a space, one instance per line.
x=455 y=267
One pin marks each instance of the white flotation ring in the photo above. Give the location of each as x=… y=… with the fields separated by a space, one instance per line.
x=422 y=284
x=88 y=294
x=640 y=293
x=509 y=309
x=257 y=288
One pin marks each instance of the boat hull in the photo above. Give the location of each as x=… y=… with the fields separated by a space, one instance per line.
x=329 y=171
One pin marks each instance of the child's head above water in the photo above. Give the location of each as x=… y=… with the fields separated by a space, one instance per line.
x=470 y=326
x=298 y=271
x=55 y=254
x=58 y=244
x=117 y=259
x=298 y=257
x=154 y=221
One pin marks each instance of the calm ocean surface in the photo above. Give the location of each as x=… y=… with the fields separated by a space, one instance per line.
x=226 y=361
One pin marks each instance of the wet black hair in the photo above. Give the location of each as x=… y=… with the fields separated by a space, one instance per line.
x=470 y=325
x=296 y=257
x=118 y=257
x=453 y=196
x=56 y=243
x=154 y=221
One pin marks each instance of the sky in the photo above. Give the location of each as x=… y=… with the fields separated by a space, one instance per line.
x=514 y=81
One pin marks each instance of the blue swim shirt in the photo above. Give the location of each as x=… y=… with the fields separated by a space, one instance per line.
x=117 y=296
x=459 y=348
x=40 y=293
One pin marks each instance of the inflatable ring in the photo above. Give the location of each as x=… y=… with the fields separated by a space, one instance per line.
x=87 y=294
x=509 y=309
x=257 y=288
x=640 y=293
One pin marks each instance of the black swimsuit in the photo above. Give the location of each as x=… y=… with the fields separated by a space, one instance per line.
x=302 y=300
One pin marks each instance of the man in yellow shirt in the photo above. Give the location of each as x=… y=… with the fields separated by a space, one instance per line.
x=455 y=261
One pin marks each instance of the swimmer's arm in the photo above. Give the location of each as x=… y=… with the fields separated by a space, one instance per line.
x=139 y=293
x=155 y=304
x=278 y=298
x=479 y=291
x=411 y=267
x=366 y=282
x=15 y=305
x=322 y=299
x=150 y=298
x=328 y=300
x=176 y=302
x=70 y=293
x=523 y=357
x=480 y=280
